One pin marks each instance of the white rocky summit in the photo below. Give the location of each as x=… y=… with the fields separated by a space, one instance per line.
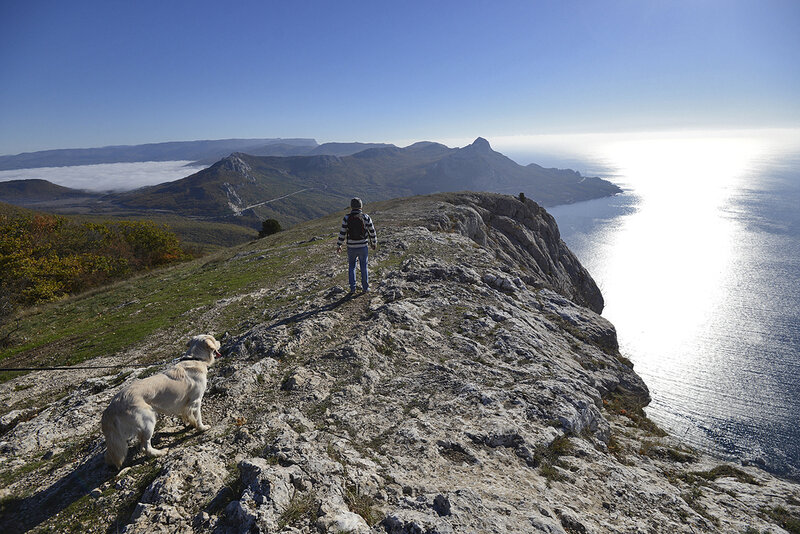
x=475 y=389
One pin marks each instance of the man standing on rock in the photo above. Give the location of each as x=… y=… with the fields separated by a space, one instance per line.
x=357 y=227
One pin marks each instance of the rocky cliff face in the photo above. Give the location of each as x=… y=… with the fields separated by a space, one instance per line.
x=524 y=238
x=475 y=388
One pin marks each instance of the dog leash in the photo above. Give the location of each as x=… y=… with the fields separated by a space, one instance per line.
x=83 y=367
x=76 y=367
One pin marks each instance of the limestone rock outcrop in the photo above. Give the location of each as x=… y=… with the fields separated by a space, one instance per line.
x=475 y=388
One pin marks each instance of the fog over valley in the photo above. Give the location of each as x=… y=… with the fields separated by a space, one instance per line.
x=107 y=176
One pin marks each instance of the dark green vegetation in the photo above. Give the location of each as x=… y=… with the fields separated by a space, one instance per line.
x=784 y=518
x=361 y=504
x=301 y=506
x=697 y=482
x=46 y=257
x=549 y=457
x=631 y=407
x=707 y=478
x=269 y=227
x=726 y=471
x=198 y=236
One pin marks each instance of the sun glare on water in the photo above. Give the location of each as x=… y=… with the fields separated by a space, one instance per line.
x=678 y=233
x=698 y=264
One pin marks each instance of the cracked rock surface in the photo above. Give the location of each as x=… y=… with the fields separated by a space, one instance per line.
x=475 y=388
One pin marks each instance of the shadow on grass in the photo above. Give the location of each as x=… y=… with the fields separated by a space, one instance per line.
x=21 y=514
x=302 y=316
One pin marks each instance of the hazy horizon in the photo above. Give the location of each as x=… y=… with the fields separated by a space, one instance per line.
x=98 y=74
x=582 y=152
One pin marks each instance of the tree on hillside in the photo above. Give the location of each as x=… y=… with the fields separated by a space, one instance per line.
x=269 y=227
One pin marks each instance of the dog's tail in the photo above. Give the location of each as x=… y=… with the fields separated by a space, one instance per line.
x=116 y=442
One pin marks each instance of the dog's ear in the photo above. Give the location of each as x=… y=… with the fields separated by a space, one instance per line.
x=194 y=340
x=212 y=343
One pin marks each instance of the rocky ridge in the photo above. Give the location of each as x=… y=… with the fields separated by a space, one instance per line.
x=475 y=388
x=314 y=185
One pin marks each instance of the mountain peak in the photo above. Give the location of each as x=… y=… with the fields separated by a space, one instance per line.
x=481 y=144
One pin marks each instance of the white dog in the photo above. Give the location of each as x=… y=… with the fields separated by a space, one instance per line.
x=177 y=391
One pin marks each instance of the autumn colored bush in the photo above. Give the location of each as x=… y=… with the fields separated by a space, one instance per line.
x=46 y=257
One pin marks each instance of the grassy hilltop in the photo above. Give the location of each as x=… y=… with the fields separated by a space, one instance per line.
x=123 y=314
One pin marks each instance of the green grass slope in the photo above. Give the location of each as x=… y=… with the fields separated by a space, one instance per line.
x=162 y=302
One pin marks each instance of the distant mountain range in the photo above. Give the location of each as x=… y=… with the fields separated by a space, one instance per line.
x=247 y=188
x=172 y=151
x=198 y=152
x=287 y=149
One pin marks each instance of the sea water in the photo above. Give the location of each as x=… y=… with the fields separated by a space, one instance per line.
x=699 y=264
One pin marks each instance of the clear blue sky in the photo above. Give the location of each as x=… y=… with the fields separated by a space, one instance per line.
x=96 y=73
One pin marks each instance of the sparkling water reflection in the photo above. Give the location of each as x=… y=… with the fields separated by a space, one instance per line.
x=699 y=264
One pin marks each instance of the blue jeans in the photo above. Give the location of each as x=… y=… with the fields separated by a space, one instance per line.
x=360 y=254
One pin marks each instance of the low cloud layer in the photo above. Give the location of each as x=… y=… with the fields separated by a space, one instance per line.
x=107 y=176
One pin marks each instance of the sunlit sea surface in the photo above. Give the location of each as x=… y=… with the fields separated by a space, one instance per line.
x=699 y=264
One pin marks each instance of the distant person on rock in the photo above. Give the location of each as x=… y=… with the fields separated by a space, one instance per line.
x=357 y=228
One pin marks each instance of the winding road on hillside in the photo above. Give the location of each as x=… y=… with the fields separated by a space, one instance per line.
x=324 y=187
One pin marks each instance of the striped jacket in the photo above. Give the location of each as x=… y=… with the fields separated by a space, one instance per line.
x=373 y=237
